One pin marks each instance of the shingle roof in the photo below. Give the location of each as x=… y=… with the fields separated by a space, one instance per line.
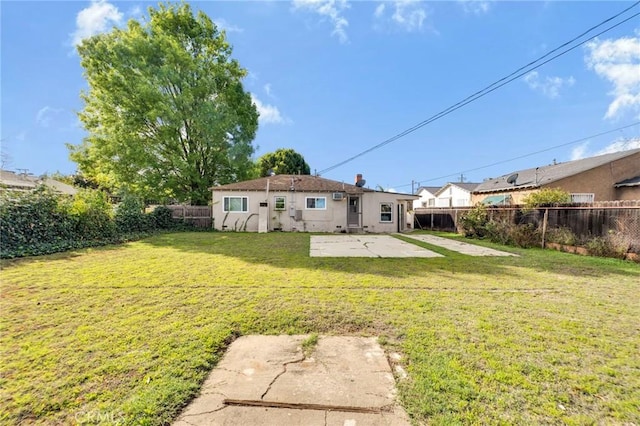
x=301 y=183
x=28 y=182
x=468 y=186
x=536 y=177
x=431 y=189
x=306 y=183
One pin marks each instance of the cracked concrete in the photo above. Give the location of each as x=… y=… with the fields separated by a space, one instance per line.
x=365 y=246
x=267 y=380
x=459 y=246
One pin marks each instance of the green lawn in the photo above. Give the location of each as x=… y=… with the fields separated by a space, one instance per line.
x=127 y=334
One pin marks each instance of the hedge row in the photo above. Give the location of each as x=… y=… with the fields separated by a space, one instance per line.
x=43 y=222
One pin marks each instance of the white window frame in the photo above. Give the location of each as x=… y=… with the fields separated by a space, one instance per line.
x=284 y=203
x=306 y=203
x=579 y=197
x=390 y=212
x=244 y=204
x=431 y=202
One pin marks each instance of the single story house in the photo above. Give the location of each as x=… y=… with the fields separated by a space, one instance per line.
x=11 y=181
x=427 y=197
x=309 y=204
x=608 y=177
x=455 y=194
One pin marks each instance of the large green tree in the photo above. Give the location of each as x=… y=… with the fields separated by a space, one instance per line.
x=166 y=113
x=283 y=162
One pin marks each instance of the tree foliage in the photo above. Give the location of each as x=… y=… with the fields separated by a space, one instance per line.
x=546 y=196
x=165 y=110
x=283 y=162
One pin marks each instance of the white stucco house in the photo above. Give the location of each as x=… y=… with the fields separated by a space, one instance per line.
x=427 y=197
x=455 y=194
x=308 y=204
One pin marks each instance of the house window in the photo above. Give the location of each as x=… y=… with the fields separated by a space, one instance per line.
x=582 y=197
x=316 y=203
x=385 y=212
x=431 y=202
x=279 y=203
x=235 y=204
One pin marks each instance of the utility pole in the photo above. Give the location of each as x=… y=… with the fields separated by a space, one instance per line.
x=413 y=191
x=461 y=178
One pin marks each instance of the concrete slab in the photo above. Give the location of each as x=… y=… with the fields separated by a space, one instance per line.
x=365 y=246
x=267 y=380
x=459 y=246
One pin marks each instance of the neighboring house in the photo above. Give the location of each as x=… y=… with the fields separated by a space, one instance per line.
x=308 y=203
x=606 y=177
x=455 y=194
x=11 y=181
x=427 y=196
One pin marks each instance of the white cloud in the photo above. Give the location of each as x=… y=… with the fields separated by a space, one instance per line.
x=101 y=16
x=22 y=136
x=222 y=24
x=268 y=91
x=549 y=86
x=408 y=15
x=477 y=7
x=622 y=144
x=331 y=10
x=269 y=114
x=46 y=114
x=618 y=61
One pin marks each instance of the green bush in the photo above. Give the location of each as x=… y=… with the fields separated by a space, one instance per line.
x=162 y=218
x=93 y=215
x=130 y=217
x=561 y=236
x=43 y=222
x=473 y=223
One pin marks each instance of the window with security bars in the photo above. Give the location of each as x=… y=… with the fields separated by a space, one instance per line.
x=582 y=197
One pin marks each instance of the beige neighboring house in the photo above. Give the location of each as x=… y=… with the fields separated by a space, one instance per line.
x=11 y=181
x=609 y=177
x=308 y=204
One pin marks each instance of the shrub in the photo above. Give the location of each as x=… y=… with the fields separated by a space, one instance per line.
x=546 y=196
x=603 y=247
x=93 y=215
x=162 y=217
x=525 y=236
x=473 y=222
x=130 y=217
x=561 y=236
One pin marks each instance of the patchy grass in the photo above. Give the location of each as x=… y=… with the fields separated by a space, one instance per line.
x=127 y=334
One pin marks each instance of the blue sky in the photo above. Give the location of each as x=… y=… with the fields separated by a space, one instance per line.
x=334 y=78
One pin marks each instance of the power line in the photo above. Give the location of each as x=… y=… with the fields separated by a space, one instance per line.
x=522 y=156
x=495 y=85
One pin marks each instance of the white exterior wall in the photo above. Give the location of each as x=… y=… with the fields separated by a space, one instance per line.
x=423 y=201
x=312 y=220
x=331 y=219
x=453 y=196
x=371 y=212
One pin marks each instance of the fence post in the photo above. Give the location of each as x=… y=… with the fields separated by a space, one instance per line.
x=545 y=219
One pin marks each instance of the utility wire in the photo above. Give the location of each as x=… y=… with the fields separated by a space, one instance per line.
x=495 y=85
x=521 y=156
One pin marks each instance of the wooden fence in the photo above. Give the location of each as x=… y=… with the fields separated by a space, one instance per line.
x=198 y=216
x=584 y=220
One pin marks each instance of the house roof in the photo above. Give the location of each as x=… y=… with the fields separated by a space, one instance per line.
x=300 y=183
x=431 y=189
x=634 y=181
x=17 y=181
x=467 y=186
x=28 y=182
x=536 y=177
